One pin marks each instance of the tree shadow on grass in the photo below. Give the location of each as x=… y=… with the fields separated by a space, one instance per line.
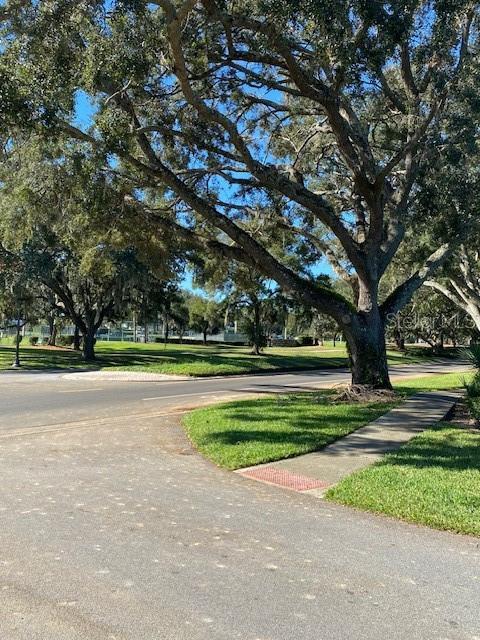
x=293 y=426
x=422 y=353
x=39 y=359
x=301 y=438
x=199 y=361
x=202 y=365
x=444 y=446
x=169 y=361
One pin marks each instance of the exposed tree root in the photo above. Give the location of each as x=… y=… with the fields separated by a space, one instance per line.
x=361 y=393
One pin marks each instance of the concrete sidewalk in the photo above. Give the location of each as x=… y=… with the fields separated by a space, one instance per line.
x=315 y=472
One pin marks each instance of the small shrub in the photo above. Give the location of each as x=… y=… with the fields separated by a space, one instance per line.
x=472 y=354
x=473 y=388
x=33 y=340
x=473 y=396
x=65 y=341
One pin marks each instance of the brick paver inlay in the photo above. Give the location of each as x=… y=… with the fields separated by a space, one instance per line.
x=283 y=478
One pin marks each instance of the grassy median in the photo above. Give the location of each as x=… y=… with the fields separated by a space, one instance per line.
x=247 y=432
x=191 y=360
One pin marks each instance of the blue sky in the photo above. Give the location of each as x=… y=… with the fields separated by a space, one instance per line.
x=84 y=112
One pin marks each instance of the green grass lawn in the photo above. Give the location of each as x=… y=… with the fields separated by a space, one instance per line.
x=433 y=480
x=436 y=382
x=215 y=359
x=38 y=358
x=247 y=432
x=193 y=360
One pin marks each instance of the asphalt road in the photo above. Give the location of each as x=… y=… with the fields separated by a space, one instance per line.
x=42 y=399
x=112 y=528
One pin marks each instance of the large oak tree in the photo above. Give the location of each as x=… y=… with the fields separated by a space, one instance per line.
x=326 y=110
x=64 y=225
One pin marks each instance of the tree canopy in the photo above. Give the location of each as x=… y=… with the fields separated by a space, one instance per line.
x=231 y=122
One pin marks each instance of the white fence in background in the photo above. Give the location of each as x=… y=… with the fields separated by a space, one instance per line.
x=120 y=334
x=190 y=336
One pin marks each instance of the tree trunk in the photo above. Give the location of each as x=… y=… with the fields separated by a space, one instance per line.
x=51 y=323
x=365 y=336
x=257 y=330
x=367 y=351
x=474 y=313
x=89 y=344
x=256 y=350
x=399 y=339
x=134 y=326
x=76 y=339
x=439 y=344
x=53 y=336
x=165 y=330
x=205 y=331
x=18 y=339
x=52 y=328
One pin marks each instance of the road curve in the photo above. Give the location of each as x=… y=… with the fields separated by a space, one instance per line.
x=112 y=528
